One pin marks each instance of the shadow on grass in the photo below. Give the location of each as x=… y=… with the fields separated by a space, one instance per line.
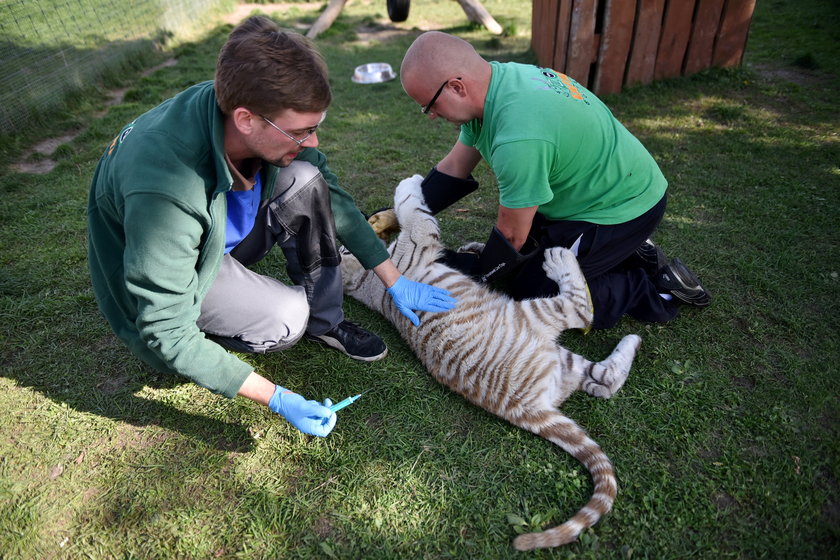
x=101 y=377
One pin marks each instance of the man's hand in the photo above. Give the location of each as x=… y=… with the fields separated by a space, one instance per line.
x=409 y=295
x=310 y=417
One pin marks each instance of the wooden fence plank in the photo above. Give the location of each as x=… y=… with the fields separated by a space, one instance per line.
x=544 y=26
x=561 y=43
x=673 y=41
x=581 y=51
x=642 y=60
x=703 y=32
x=616 y=35
x=732 y=36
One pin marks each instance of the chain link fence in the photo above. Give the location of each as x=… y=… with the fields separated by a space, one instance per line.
x=51 y=48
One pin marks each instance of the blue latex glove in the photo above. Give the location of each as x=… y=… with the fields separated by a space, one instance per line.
x=310 y=417
x=409 y=295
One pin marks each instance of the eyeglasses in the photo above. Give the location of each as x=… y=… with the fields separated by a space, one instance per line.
x=428 y=107
x=309 y=131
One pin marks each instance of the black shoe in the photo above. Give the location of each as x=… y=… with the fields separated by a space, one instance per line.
x=354 y=341
x=651 y=257
x=675 y=278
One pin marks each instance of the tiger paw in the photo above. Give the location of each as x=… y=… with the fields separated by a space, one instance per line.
x=561 y=266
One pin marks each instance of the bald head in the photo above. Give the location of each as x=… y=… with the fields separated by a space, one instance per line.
x=435 y=57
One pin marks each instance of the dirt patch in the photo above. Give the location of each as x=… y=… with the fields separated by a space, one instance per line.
x=724 y=501
x=322 y=527
x=244 y=10
x=41 y=164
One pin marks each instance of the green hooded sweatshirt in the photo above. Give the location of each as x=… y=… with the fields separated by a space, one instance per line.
x=156 y=234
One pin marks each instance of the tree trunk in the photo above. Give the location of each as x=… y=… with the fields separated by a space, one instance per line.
x=476 y=13
x=326 y=19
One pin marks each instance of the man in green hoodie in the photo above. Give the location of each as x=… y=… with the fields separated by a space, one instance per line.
x=195 y=190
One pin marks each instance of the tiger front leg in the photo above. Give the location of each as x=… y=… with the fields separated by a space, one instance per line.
x=561 y=266
x=408 y=201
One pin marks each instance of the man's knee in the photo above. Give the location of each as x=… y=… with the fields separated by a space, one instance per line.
x=290 y=317
x=299 y=175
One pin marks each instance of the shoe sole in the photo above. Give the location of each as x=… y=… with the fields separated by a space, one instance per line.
x=333 y=343
x=697 y=295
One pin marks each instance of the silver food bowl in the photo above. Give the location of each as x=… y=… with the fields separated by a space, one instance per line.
x=373 y=73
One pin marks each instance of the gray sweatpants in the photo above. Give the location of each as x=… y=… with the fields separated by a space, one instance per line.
x=248 y=312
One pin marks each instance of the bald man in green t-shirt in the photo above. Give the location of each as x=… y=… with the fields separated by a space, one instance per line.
x=569 y=174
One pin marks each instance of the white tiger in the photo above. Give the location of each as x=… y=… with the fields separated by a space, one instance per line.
x=503 y=354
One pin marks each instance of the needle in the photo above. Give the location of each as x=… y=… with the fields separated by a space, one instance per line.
x=346 y=402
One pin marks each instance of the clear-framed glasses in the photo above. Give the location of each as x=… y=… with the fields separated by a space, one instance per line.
x=428 y=106
x=298 y=141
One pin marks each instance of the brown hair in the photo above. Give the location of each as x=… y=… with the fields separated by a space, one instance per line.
x=268 y=70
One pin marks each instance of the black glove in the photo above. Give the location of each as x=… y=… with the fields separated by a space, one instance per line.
x=441 y=190
x=499 y=259
x=496 y=260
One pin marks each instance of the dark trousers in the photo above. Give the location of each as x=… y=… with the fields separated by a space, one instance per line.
x=618 y=282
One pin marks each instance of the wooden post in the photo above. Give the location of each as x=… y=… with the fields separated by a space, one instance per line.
x=583 y=48
x=476 y=13
x=326 y=19
x=642 y=59
x=703 y=33
x=543 y=30
x=732 y=37
x=616 y=36
x=673 y=40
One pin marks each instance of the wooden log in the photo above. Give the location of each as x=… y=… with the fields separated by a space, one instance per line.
x=702 y=42
x=616 y=35
x=582 y=45
x=476 y=13
x=326 y=19
x=642 y=60
x=673 y=40
x=733 y=32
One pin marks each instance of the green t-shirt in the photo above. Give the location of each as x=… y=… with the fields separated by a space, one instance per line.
x=553 y=144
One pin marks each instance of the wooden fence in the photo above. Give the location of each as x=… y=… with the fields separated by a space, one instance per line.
x=608 y=44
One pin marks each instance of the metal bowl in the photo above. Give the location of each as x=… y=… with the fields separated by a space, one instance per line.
x=373 y=73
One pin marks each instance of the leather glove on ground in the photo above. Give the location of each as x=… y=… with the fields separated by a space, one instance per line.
x=384 y=223
x=409 y=295
x=310 y=417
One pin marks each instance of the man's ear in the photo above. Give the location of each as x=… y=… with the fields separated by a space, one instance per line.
x=243 y=120
x=458 y=87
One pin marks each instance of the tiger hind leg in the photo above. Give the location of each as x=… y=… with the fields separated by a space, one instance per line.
x=605 y=378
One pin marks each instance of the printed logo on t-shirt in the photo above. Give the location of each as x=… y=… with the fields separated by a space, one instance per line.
x=562 y=84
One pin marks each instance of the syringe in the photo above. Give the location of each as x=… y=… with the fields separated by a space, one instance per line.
x=346 y=402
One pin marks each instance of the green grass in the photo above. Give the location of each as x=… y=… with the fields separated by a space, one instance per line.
x=725 y=438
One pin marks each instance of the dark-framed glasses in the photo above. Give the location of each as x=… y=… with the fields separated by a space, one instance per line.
x=298 y=141
x=425 y=109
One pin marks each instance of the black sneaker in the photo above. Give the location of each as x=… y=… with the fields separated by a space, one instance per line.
x=676 y=279
x=354 y=341
x=652 y=258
